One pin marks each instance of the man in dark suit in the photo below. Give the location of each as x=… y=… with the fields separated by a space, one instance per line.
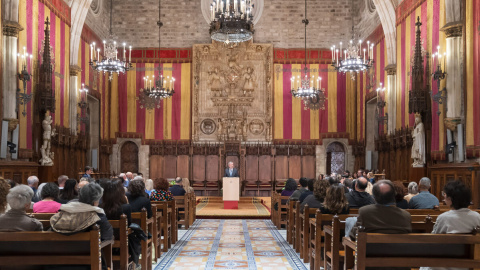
x=177 y=189
x=231 y=171
x=384 y=216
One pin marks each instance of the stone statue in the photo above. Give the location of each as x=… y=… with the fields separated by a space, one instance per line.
x=248 y=86
x=214 y=80
x=48 y=133
x=418 y=147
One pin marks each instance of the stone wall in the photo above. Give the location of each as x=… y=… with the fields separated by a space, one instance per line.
x=280 y=23
x=98 y=18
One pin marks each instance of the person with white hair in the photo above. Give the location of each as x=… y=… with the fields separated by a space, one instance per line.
x=128 y=178
x=412 y=191
x=231 y=171
x=79 y=216
x=16 y=219
x=33 y=182
x=61 y=181
x=424 y=200
x=148 y=186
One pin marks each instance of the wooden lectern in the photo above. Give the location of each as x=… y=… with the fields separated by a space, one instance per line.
x=231 y=191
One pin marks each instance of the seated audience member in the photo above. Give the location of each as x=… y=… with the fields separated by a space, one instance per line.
x=137 y=198
x=186 y=185
x=358 y=197
x=61 y=181
x=49 y=195
x=290 y=187
x=459 y=219
x=38 y=195
x=114 y=202
x=128 y=178
x=148 y=186
x=88 y=172
x=348 y=183
x=371 y=177
x=161 y=192
x=309 y=191
x=335 y=202
x=424 y=200
x=16 y=219
x=319 y=192
x=400 y=202
x=297 y=193
x=69 y=191
x=33 y=182
x=369 y=188
x=82 y=183
x=384 y=216
x=4 y=188
x=11 y=183
x=412 y=191
x=81 y=215
x=177 y=189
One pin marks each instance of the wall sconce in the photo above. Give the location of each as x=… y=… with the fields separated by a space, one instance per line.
x=24 y=76
x=441 y=96
x=83 y=117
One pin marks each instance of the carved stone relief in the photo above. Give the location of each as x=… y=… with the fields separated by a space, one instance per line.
x=232 y=98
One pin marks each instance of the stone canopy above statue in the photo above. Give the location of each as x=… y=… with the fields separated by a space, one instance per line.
x=232 y=97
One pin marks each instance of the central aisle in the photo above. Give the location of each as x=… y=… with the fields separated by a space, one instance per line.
x=231 y=244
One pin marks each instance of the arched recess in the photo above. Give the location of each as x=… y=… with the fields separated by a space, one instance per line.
x=386 y=12
x=336 y=158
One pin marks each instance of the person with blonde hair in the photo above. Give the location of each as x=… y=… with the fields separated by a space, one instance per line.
x=186 y=185
x=148 y=186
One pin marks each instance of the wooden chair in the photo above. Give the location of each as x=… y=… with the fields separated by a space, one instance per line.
x=333 y=254
x=298 y=228
x=28 y=249
x=182 y=210
x=265 y=187
x=273 y=216
x=305 y=232
x=282 y=211
x=121 y=232
x=157 y=232
x=413 y=250
x=147 y=246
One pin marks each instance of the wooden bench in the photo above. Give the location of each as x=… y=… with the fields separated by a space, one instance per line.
x=317 y=239
x=157 y=232
x=413 y=250
x=121 y=232
x=192 y=208
x=305 y=231
x=282 y=211
x=147 y=246
x=169 y=224
x=28 y=249
x=182 y=210
x=291 y=222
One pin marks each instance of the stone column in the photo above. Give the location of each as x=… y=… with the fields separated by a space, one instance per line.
x=392 y=97
x=9 y=50
x=454 y=78
x=74 y=72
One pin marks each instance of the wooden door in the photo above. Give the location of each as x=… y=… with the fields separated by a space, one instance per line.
x=129 y=157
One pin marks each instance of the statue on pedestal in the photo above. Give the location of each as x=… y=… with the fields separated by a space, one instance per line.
x=48 y=133
x=418 y=147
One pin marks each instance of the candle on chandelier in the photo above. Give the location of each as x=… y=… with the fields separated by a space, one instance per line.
x=445 y=61
x=228 y=5
x=345 y=52
x=211 y=12
x=130 y=55
x=31 y=61
x=341 y=45
x=93 y=50
x=336 y=56
x=364 y=59
x=104 y=44
x=124 y=52
x=368 y=46
x=173 y=87
x=234 y=6
x=98 y=54
x=320 y=78
x=91 y=53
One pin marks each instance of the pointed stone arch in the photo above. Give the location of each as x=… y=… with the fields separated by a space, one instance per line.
x=386 y=12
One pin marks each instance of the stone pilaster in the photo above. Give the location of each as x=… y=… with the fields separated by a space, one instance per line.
x=10 y=40
x=74 y=72
x=392 y=97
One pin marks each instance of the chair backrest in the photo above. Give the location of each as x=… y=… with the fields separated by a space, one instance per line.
x=121 y=230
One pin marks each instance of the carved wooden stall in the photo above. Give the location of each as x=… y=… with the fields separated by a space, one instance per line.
x=468 y=173
x=394 y=154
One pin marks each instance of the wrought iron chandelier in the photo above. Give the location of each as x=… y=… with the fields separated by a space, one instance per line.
x=305 y=88
x=154 y=90
x=231 y=20
x=351 y=59
x=110 y=62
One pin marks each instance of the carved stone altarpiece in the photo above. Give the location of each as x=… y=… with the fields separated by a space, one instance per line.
x=232 y=98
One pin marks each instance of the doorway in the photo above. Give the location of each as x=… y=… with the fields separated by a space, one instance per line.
x=129 y=157
x=335 y=158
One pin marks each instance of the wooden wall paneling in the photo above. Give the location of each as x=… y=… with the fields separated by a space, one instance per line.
x=183 y=168
x=212 y=168
x=295 y=167
x=198 y=171
x=18 y=171
x=308 y=166
x=281 y=170
x=156 y=166
x=170 y=167
x=265 y=168
x=251 y=168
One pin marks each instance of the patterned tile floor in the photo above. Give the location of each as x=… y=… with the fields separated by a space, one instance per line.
x=231 y=244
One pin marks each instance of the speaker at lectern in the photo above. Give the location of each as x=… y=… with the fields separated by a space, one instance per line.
x=231 y=191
